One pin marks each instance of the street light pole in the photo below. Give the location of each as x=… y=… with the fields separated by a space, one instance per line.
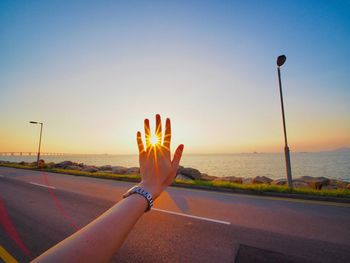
x=280 y=61
x=41 y=131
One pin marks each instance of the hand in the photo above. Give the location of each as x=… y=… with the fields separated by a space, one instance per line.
x=156 y=167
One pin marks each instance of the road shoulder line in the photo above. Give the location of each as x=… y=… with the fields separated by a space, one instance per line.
x=6 y=256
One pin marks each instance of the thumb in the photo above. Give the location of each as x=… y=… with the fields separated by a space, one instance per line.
x=177 y=156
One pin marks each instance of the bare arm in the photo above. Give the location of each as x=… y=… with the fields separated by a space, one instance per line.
x=100 y=240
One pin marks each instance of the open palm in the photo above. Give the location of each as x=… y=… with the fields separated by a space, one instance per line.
x=156 y=167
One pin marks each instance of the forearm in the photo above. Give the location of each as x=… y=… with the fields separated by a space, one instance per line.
x=98 y=241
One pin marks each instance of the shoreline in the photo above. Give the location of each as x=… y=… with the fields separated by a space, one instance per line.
x=308 y=188
x=331 y=165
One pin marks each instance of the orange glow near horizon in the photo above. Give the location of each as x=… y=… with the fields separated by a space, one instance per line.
x=208 y=66
x=55 y=139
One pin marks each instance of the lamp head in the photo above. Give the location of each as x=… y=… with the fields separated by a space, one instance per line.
x=281 y=59
x=33 y=122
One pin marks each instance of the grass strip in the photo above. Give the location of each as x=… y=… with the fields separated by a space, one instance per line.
x=210 y=185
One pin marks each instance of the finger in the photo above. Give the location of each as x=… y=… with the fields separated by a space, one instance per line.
x=147 y=133
x=177 y=157
x=158 y=128
x=167 y=134
x=139 y=142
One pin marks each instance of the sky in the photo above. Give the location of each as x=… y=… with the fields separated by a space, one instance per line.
x=91 y=71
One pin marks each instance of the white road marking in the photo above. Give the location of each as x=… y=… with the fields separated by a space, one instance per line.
x=47 y=186
x=191 y=216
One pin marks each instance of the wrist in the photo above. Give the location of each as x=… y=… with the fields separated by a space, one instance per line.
x=140 y=199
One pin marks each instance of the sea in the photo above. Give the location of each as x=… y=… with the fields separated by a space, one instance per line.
x=328 y=164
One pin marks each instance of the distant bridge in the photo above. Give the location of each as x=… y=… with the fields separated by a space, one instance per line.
x=30 y=154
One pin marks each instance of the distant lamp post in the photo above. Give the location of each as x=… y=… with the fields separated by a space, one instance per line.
x=41 y=131
x=280 y=61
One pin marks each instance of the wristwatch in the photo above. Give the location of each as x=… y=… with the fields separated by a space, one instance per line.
x=139 y=190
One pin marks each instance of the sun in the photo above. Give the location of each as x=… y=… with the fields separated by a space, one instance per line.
x=154 y=140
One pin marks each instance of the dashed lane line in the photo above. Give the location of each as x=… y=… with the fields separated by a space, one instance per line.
x=161 y=210
x=191 y=216
x=43 y=185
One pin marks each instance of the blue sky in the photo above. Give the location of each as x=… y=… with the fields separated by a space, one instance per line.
x=92 y=70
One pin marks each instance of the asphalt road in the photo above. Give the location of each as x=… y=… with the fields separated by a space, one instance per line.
x=37 y=210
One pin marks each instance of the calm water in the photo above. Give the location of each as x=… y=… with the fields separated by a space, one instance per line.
x=329 y=164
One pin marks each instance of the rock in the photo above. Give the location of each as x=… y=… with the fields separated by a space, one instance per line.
x=247 y=180
x=337 y=183
x=315 y=182
x=41 y=164
x=300 y=184
x=206 y=177
x=74 y=167
x=63 y=164
x=261 y=180
x=183 y=177
x=90 y=169
x=232 y=179
x=320 y=181
x=305 y=178
x=192 y=173
x=133 y=170
x=105 y=171
x=279 y=182
x=106 y=167
x=179 y=169
x=50 y=165
x=329 y=187
x=119 y=169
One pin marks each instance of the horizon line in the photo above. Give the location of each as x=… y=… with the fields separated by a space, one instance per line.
x=191 y=153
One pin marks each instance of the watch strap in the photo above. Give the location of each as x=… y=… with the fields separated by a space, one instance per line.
x=141 y=191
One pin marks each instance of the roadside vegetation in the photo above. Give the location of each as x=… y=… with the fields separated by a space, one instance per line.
x=263 y=189
x=266 y=188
